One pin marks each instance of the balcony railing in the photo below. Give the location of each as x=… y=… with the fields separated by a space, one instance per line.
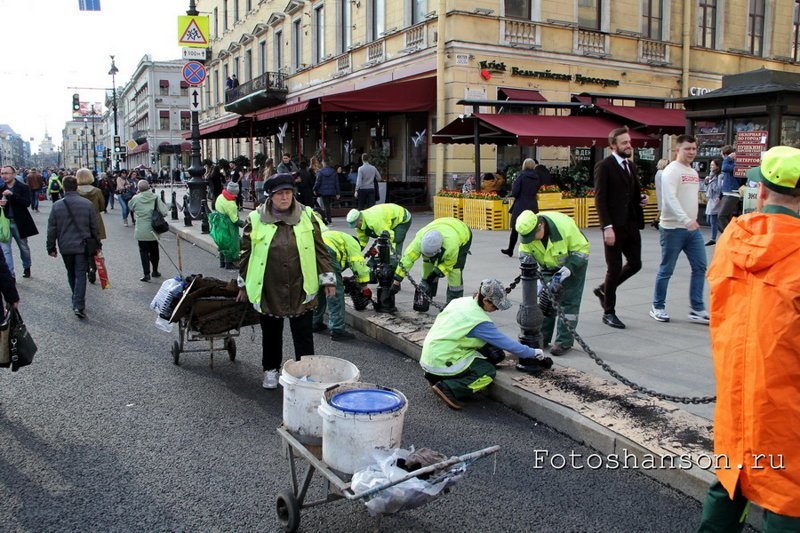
x=375 y=52
x=589 y=42
x=265 y=90
x=521 y=33
x=415 y=37
x=653 y=51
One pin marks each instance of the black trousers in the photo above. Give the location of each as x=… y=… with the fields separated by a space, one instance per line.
x=366 y=198
x=628 y=243
x=326 y=206
x=272 y=338
x=148 y=253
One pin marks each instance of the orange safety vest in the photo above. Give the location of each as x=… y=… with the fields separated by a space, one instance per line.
x=755 y=338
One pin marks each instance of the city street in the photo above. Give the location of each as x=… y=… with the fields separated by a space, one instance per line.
x=104 y=433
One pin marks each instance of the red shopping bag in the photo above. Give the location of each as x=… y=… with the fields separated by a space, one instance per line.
x=102 y=273
x=42 y=197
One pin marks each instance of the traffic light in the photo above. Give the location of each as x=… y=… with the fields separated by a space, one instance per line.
x=153 y=159
x=76 y=102
x=117 y=145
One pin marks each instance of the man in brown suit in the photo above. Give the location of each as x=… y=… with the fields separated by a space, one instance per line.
x=619 y=202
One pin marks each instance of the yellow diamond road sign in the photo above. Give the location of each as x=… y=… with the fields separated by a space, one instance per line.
x=131 y=144
x=193 y=32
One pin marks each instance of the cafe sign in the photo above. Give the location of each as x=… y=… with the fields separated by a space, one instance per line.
x=499 y=66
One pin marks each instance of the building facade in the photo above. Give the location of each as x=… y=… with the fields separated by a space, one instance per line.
x=343 y=77
x=80 y=138
x=14 y=150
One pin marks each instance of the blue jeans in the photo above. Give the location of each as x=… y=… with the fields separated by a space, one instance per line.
x=24 y=250
x=712 y=221
x=673 y=242
x=124 y=206
x=35 y=199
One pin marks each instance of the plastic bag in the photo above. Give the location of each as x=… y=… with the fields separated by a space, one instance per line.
x=167 y=297
x=5 y=227
x=225 y=235
x=406 y=495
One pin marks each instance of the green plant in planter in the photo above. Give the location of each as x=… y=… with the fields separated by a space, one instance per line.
x=259 y=160
x=242 y=161
x=511 y=175
x=380 y=160
x=223 y=163
x=577 y=181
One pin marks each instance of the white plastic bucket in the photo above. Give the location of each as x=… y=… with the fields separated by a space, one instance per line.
x=304 y=383
x=349 y=439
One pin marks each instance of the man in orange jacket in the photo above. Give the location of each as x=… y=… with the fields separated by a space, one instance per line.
x=755 y=339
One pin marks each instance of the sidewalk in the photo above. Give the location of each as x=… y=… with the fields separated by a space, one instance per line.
x=577 y=397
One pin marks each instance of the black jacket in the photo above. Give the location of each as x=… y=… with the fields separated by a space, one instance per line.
x=17 y=208
x=617 y=195
x=70 y=231
x=524 y=190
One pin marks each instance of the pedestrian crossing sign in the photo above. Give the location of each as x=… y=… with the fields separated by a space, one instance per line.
x=193 y=32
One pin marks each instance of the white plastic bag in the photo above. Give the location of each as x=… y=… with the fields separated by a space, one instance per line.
x=164 y=302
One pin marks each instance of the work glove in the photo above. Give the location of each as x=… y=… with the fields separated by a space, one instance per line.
x=425 y=287
x=366 y=292
x=564 y=272
x=436 y=273
x=395 y=288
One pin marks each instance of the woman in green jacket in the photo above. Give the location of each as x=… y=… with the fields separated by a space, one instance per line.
x=142 y=206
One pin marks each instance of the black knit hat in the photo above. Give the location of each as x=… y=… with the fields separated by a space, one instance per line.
x=278 y=182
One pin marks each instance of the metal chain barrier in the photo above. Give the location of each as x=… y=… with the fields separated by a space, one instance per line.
x=616 y=375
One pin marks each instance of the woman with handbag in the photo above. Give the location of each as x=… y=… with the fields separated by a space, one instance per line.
x=125 y=192
x=142 y=205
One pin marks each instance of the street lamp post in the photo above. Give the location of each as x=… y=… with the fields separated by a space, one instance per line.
x=94 y=143
x=86 y=140
x=113 y=74
x=197 y=185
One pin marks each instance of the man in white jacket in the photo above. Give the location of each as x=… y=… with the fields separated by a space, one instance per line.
x=680 y=232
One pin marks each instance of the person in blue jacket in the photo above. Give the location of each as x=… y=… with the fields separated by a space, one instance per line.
x=730 y=188
x=326 y=186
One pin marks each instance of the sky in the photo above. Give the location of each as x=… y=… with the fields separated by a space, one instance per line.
x=51 y=46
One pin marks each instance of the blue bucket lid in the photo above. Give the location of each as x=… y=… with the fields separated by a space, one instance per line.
x=367 y=401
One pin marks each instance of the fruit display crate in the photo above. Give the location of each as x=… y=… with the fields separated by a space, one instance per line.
x=486 y=214
x=447 y=206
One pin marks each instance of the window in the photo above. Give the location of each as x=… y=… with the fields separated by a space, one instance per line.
x=518 y=9
x=249 y=5
x=163 y=87
x=216 y=86
x=589 y=14
x=707 y=13
x=755 y=28
x=184 y=88
x=216 y=23
x=75 y=145
x=262 y=57
x=651 y=19
x=346 y=24
x=186 y=120
x=297 y=43
x=319 y=34
x=235 y=11
x=418 y=10
x=248 y=66
x=163 y=120
x=278 y=51
x=224 y=15
x=377 y=16
x=796 y=32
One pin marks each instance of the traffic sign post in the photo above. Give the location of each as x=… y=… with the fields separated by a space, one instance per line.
x=194 y=99
x=194 y=54
x=193 y=31
x=194 y=73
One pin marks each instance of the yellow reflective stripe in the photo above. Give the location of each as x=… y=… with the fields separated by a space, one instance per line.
x=480 y=383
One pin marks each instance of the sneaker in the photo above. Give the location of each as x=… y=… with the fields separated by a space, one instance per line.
x=711 y=242
x=442 y=391
x=659 y=314
x=270 y=379
x=26 y=273
x=699 y=317
x=342 y=335
x=80 y=313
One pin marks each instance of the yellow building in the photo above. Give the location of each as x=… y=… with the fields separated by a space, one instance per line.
x=380 y=76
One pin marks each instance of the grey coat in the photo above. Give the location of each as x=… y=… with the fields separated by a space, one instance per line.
x=70 y=232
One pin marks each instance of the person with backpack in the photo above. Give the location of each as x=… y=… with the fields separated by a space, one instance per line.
x=54 y=187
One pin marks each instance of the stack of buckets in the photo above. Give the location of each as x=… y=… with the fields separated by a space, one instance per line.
x=323 y=402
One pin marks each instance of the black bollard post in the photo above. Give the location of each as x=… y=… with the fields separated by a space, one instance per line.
x=529 y=316
x=385 y=275
x=162 y=196
x=187 y=216
x=174 y=208
x=204 y=228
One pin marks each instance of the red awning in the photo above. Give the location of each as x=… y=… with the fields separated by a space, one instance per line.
x=186 y=147
x=396 y=96
x=227 y=129
x=184 y=84
x=650 y=119
x=163 y=83
x=520 y=95
x=139 y=149
x=186 y=114
x=281 y=111
x=537 y=130
x=164 y=113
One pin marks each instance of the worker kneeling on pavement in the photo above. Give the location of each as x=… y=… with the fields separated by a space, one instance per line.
x=345 y=253
x=561 y=250
x=463 y=346
x=370 y=223
x=444 y=247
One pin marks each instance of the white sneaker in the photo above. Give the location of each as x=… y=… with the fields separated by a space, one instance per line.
x=270 y=379
x=700 y=317
x=659 y=314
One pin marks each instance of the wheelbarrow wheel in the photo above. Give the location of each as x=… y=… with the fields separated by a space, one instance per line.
x=230 y=345
x=176 y=352
x=288 y=511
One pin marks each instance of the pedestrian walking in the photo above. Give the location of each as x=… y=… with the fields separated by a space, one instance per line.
x=125 y=190
x=713 y=194
x=111 y=187
x=35 y=183
x=619 y=202
x=15 y=197
x=54 y=187
x=287 y=166
x=524 y=191
x=366 y=181
x=730 y=201
x=680 y=232
x=72 y=225
x=8 y=286
x=283 y=264
x=326 y=186
x=142 y=206
x=94 y=195
x=755 y=283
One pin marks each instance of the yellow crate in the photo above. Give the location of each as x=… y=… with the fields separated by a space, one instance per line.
x=651 y=209
x=445 y=206
x=486 y=214
x=552 y=201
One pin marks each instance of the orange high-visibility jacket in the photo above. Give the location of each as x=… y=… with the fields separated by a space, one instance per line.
x=755 y=339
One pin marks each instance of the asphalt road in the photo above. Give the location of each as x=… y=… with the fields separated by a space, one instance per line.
x=104 y=433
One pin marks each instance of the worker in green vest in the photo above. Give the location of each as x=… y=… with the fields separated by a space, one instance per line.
x=284 y=262
x=444 y=247
x=54 y=187
x=561 y=250
x=463 y=346
x=345 y=253
x=392 y=218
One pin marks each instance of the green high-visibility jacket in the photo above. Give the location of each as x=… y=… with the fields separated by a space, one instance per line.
x=566 y=244
x=455 y=234
x=380 y=218
x=347 y=253
x=260 y=238
x=54 y=185
x=447 y=350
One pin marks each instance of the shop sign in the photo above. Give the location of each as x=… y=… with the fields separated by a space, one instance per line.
x=499 y=66
x=699 y=91
x=583 y=155
x=750 y=200
x=647 y=154
x=749 y=146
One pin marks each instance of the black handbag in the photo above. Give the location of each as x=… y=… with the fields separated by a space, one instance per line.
x=160 y=225
x=21 y=347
